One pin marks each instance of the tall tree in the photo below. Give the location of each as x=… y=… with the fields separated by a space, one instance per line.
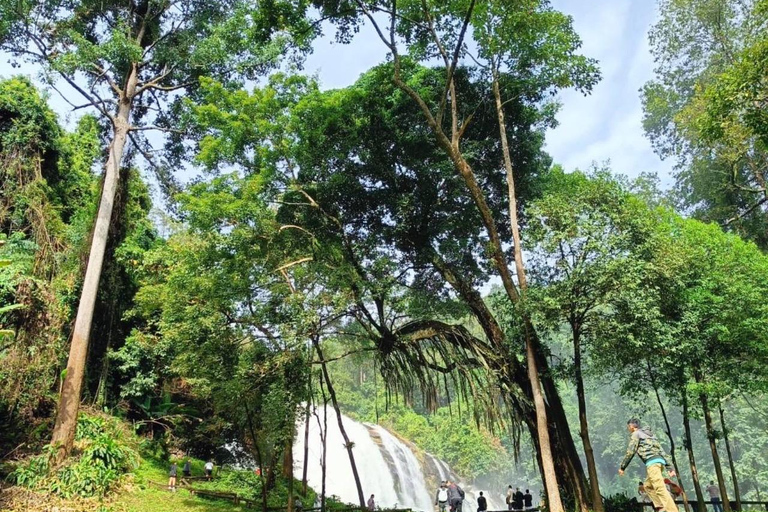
x=130 y=62
x=439 y=30
x=703 y=108
x=582 y=231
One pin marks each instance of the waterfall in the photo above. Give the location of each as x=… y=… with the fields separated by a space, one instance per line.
x=388 y=467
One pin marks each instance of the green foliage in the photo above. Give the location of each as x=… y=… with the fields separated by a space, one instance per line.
x=620 y=503
x=706 y=108
x=105 y=454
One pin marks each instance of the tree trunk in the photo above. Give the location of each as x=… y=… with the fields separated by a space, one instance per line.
x=259 y=458
x=691 y=458
x=713 y=448
x=531 y=345
x=736 y=493
x=306 y=442
x=512 y=374
x=597 y=500
x=563 y=438
x=323 y=438
x=347 y=443
x=69 y=402
x=288 y=470
x=671 y=438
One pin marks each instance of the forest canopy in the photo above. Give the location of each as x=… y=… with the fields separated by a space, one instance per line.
x=211 y=247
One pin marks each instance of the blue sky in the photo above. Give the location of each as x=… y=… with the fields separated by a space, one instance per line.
x=607 y=125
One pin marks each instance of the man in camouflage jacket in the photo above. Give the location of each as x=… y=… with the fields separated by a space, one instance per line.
x=643 y=443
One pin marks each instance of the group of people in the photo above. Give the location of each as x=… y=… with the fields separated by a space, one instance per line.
x=186 y=471
x=516 y=500
x=451 y=496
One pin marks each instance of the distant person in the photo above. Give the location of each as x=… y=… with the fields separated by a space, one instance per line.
x=187 y=470
x=371 y=504
x=441 y=497
x=714 y=496
x=643 y=443
x=510 y=497
x=482 y=504
x=527 y=500
x=297 y=504
x=517 y=499
x=209 y=469
x=172 y=477
x=455 y=496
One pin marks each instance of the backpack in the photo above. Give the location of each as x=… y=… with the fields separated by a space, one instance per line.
x=442 y=495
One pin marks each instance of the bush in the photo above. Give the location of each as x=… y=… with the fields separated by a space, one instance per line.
x=102 y=455
x=621 y=503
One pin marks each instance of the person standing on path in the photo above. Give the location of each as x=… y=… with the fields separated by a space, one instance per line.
x=187 y=470
x=482 y=504
x=714 y=496
x=441 y=497
x=510 y=497
x=455 y=496
x=172 y=477
x=527 y=500
x=371 y=504
x=643 y=443
x=517 y=500
x=208 y=469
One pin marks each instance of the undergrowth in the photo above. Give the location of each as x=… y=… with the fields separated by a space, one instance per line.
x=103 y=454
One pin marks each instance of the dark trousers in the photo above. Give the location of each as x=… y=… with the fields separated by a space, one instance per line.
x=716 y=505
x=456 y=506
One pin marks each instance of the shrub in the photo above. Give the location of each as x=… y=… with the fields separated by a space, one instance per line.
x=103 y=454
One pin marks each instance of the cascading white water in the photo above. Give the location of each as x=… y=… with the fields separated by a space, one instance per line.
x=388 y=467
x=375 y=476
x=411 y=483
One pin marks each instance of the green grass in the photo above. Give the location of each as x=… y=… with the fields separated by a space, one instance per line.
x=144 y=496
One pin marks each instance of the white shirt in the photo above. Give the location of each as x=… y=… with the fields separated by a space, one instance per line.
x=714 y=491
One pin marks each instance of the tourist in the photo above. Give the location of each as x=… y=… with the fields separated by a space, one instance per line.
x=482 y=504
x=371 y=504
x=527 y=500
x=643 y=443
x=209 y=469
x=441 y=498
x=187 y=471
x=172 y=477
x=714 y=496
x=455 y=496
x=517 y=499
x=510 y=497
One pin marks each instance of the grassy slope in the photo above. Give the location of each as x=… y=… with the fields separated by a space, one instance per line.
x=145 y=497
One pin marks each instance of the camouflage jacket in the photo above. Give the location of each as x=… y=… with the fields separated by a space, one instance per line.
x=647 y=447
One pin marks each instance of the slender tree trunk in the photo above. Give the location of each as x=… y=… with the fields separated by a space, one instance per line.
x=736 y=493
x=347 y=443
x=259 y=458
x=69 y=402
x=323 y=439
x=668 y=431
x=306 y=443
x=597 y=501
x=531 y=345
x=713 y=448
x=691 y=458
x=288 y=470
